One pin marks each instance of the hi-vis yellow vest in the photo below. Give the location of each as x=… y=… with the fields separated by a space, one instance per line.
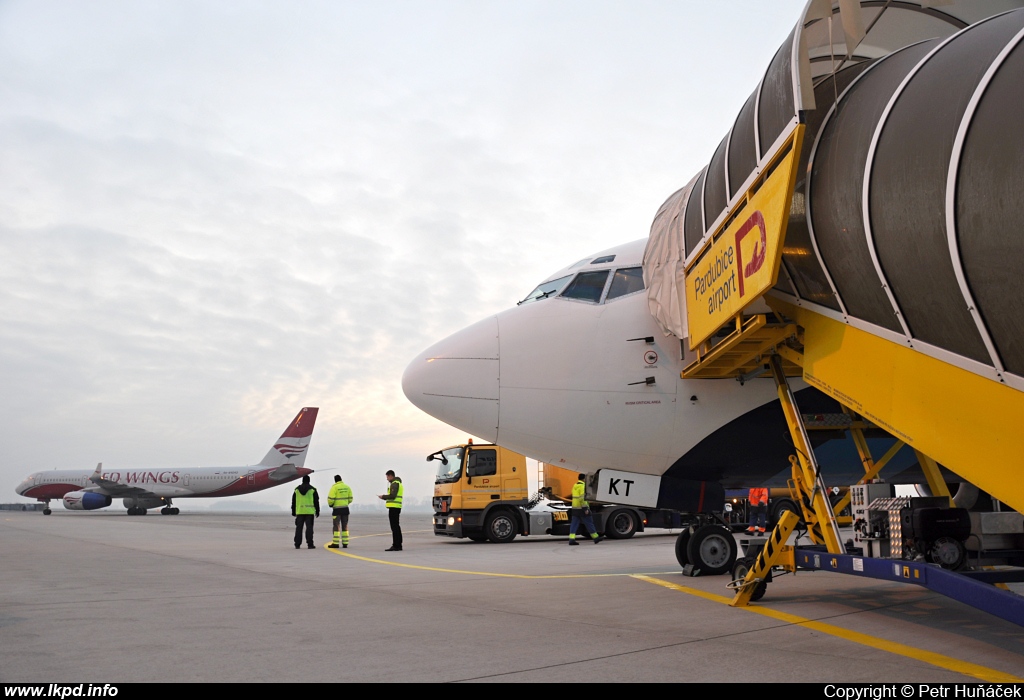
x=304 y=503
x=397 y=502
x=578 y=491
x=340 y=495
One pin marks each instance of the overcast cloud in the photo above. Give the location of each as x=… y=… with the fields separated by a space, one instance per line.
x=215 y=213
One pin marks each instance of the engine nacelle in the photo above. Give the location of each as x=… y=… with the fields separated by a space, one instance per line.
x=85 y=500
x=144 y=503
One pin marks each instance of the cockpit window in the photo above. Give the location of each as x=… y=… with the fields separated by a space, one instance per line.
x=547 y=289
x=587 y=286
x=626 y=281
x=603 y=259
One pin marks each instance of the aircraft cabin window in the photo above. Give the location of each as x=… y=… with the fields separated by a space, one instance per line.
x=587 y=286
x=547 y=289
x=603 y=259
x=626 y=281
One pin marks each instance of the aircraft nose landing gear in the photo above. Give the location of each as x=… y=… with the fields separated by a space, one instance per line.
x=706 y=548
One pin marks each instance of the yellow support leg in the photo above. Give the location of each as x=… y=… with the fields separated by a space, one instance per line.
x=934 y=478
x=805 y=468
x=871 y=468
x=775 y=552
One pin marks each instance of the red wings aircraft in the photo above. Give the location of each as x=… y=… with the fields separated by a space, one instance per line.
x=142 y=489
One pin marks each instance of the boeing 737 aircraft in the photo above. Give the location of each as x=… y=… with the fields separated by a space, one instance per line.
x=142 y=489
x=868 y=190
x=579 y=373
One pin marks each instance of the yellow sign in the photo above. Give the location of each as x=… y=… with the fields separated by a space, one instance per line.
x=743 y=262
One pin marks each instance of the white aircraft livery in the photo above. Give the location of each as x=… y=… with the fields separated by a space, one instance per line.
x=579 y=373
x=858 y=220
x=142 y=489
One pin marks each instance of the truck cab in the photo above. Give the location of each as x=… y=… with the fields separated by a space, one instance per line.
x=480 y=492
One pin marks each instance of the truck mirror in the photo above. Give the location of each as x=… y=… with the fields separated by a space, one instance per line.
x=430 y=458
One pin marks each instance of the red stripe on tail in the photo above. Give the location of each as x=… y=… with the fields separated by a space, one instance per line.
x=302 y=426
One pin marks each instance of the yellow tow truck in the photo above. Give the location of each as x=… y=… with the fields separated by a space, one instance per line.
x=481 y=492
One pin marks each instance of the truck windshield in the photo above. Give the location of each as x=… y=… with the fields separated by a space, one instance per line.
x=447 y=473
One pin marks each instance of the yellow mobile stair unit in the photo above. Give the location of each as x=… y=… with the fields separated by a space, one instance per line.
x=858 y=229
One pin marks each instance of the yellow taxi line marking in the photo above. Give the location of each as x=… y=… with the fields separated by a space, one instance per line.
x=935 y=659
x=940 y=660
x=385 y=534
x=478 y=573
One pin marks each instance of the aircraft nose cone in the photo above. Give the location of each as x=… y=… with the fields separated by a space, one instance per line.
x=24 y=486
x=456 y=380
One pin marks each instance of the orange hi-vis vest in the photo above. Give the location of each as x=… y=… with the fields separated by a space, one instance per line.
x=758 y=496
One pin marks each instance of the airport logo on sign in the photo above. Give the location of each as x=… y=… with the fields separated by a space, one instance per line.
x=760 y=251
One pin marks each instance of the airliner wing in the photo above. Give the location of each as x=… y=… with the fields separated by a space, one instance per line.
x=115 y=488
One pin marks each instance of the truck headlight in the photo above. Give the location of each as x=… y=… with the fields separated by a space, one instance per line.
x=451 y=521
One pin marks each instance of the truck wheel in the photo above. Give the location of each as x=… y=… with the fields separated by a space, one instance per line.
x=622 y=525
x=681 y=542
x=739 y=572
x=712 y=549
x=500 y=527
x=781 y=507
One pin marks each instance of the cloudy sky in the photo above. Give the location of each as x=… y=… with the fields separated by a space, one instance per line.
x=215 y=213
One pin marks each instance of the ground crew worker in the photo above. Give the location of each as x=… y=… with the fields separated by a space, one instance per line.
x=339 y=498
x=757 y=501
x=393 y=500
x=581 y=511
x=305 y=507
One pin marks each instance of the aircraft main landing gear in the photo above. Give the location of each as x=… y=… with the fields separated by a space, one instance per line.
x=135 y=510
x=167 y=510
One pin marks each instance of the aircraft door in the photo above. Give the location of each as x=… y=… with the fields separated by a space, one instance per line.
x=184 y=479
x=250 y=478
x=482 y=484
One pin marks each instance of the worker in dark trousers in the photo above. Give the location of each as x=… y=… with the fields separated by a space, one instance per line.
x=581 y=511
x=393 y=500
x=305 y=507
x=757 y=501
x=339 y=498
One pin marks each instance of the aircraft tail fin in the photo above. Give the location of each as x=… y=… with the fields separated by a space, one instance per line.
x=293 y=444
